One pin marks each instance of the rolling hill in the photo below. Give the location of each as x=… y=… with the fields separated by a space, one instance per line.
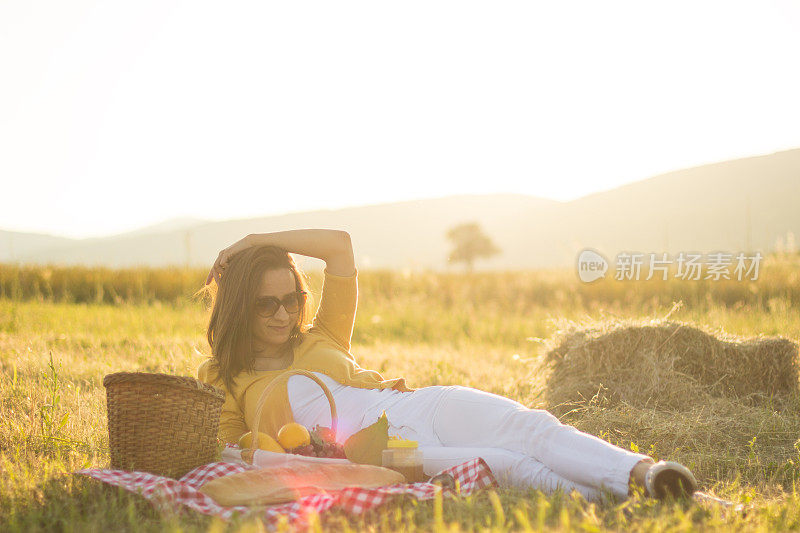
x=738 y=205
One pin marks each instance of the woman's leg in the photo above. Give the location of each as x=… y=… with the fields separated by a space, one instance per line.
x=510 y=469
x=467 y=417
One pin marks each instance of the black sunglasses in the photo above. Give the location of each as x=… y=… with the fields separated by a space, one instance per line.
x=266 y=306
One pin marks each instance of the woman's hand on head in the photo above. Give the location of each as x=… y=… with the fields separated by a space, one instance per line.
x=332 y=246
x=224 y=257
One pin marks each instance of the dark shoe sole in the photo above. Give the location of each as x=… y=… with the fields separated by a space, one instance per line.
x=667 y=479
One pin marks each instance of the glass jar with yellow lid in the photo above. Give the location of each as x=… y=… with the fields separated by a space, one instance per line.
x=405 y=457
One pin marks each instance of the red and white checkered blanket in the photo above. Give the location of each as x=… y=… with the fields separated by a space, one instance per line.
x=166 y=493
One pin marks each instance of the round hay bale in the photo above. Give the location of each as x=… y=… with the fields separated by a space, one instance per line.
x=664 y=364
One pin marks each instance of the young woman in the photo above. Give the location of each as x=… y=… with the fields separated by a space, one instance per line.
x=258 y=330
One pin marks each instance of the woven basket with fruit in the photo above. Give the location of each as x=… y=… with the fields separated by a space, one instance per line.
x=363 y=447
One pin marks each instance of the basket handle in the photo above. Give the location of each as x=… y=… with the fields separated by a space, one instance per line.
x=269 y=388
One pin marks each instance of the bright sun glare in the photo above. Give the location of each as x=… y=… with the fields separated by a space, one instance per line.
x=117 y=115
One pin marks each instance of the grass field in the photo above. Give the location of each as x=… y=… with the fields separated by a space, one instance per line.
x=488 y=331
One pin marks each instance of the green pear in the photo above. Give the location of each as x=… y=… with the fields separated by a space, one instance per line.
x=366 y=446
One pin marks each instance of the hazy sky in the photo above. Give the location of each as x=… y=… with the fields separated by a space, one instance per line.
x=115 y=115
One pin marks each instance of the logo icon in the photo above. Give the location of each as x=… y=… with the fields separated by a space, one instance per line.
x=591 y=265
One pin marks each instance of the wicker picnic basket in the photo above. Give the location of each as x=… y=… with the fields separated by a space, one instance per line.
x=163 y=424
x=247 y=455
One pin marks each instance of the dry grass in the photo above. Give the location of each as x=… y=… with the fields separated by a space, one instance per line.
x=725 y=406
x=664 y=364
x=711 y=400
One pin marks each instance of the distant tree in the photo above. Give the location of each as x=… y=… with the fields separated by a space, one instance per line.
x=469 y=243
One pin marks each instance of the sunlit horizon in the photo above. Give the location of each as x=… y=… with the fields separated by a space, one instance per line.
x=116 y=116
x=238 y=216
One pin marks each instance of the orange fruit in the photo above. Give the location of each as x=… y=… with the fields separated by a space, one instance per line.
x=292 y=435
x=265 y=442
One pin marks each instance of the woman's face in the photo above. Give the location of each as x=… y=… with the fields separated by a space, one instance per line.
x=276 y=329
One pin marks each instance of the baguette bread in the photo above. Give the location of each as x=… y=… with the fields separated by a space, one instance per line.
x=268 y=486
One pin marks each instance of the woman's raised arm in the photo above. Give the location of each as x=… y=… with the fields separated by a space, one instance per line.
x=332 y=246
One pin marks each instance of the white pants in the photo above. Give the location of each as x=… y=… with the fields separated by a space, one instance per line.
x=524 y=447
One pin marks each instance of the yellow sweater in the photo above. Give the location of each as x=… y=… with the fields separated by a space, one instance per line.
x=325 y=348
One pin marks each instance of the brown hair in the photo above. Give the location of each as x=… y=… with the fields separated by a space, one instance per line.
x=230 y=328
